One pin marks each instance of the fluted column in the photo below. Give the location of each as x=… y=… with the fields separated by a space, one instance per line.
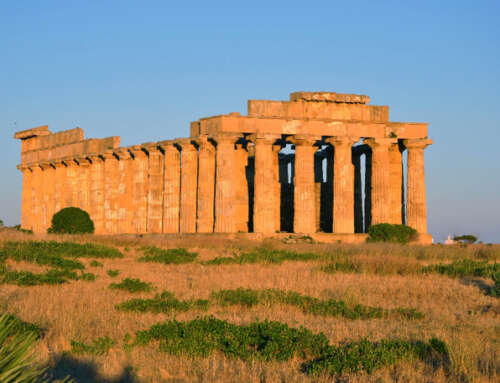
x=71 y=191
x=189 y=184
x=416 y=208
x=241 y=189
x=83 y=183
x=304 y=189
x=110 y=192
x=37 y=198
x=172 y=187
x=396 y=166
x=47 y=195
x=264 y=208
x=381 y=179
x=277 y=187
x=59 y=185
x=26 y=197
x=97 y=192
x=358 y=195
x=343 y=184
x=140 y=189
x=225 y=184
x=125 y=191
x=206 y=186
x=155 y=189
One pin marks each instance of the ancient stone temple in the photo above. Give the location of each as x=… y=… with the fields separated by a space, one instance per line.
x=321 y=162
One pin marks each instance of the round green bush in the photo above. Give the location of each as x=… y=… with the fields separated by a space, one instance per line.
x=386 y=232
x=71 y=220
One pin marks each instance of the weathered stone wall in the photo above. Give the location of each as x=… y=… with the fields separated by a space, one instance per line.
x=291 y=166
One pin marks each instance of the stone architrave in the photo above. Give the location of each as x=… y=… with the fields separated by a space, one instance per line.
x=206 y=185
x=225 y=220
x=110 y=192
x=172 y=187
x=97 y=192
x=343 y=184
x=26 y=197
x=396 y=170
x=125 y=191
x=140 y=191
x=381 y=179
x=264 y=208
x=189 y=185
x=304 y=188
x=416 y=206
x=155 y=189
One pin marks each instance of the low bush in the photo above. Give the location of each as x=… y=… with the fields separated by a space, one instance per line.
x=99 y=346
x=169 y=256
x=113 y=273
x=71 y=220
x=370 y=356
x=95 y=263
x=386 y=232
x=465 y=268
x=165 y=302
x=132 y=285
x=258 y=340
x=263 y=255
x=467 y=238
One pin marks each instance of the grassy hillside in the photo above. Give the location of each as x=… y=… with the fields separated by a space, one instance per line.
x=172 y=309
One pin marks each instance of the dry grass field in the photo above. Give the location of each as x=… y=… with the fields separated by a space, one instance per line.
x=460 y=311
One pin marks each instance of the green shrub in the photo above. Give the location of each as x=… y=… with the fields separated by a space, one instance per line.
x=258 y=340
x=17 y=326
x=95 y=263
x=263 y=255
x=113 y=273
x=169 y=256
x=132 y=285
x=466 y=238
x=465 y=268
x=71 y=220
x=165 y=302
x=386 y=232
x=99 y=346
x=369 y=356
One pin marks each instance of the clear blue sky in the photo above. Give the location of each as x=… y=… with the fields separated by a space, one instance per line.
x=144 y=70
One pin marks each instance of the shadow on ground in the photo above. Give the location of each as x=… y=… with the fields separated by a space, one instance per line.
x=85 y=372
x=486 y=289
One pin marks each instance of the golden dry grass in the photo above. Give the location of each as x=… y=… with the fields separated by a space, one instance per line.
x=457 y=312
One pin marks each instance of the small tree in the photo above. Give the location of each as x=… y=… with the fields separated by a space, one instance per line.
x=466 y=238
x=1 y=223
x=71 y=220
x=386 y=232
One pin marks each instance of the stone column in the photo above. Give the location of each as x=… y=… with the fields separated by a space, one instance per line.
x=225 y=184
x=396 y=166
x=155 y=189
x=264 y=208
x=140 y=193
x=26 y=197
x=125 y=191
x=416 y=209
x=83 y=183
x=47 y=195
x=59 y=185
x=172 y=187
x=304 y=189
x=381 y=179
x=242 y=211
x=358 y=195
x=71 y=191
x=206 y=186
x=277 y=187
x=110 y=192
x=189 y=185
x=97 y=192
x=36 y=198
x=368 y=189
x=343 y=184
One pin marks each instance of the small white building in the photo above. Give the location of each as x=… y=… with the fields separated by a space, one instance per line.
x=449 y=241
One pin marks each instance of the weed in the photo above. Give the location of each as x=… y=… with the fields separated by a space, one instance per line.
x=263 y=255
x=465 y=268
x=165 y=302
x=99 y=346
x=95 y=263
x=113 y=273
x=169 y=256
x=17 y=326
x=132 y=285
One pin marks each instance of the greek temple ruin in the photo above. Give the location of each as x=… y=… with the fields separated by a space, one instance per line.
x=322 y=162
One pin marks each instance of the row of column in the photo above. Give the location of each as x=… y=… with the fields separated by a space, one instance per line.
x=203 y=186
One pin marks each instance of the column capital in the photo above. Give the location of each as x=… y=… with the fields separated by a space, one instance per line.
x=417 y=143
x=342 y=140
x=226 y=138
x=58 y=163
x=45 y=165
x=83 y=161
x=186 y=145
x=168 y=145
x=69 y=161
x=380 y=142
x=123 y=154
x=204 y=143
x=137 y=151
x=23 y=167
x=303 y=139
x=150 y=147
x=108 y=155
x=263 y=139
